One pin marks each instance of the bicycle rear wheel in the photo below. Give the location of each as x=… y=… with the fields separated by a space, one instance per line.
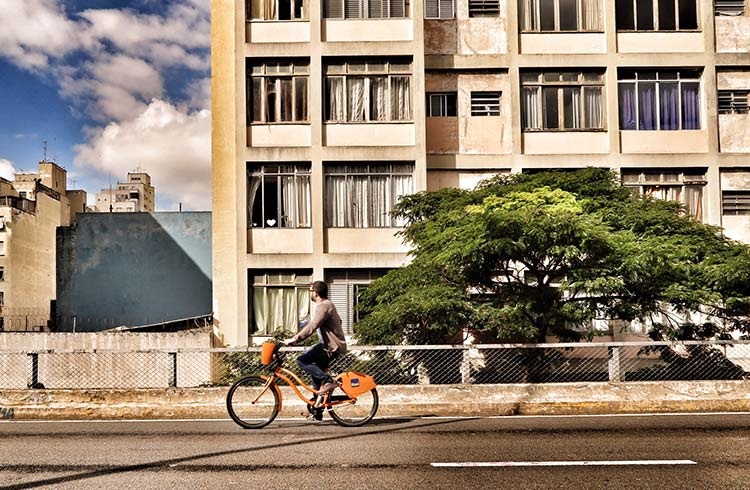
x=353 y=412
x=251 y=404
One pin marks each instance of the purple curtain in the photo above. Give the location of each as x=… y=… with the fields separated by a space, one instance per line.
x=627 y=106
x=669 y=106
x=691 y=109
x=647 y=106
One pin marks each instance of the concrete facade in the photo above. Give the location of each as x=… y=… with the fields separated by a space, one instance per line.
x=134 y=195
x=31 y=209
x=493 y=87
x=133 y=269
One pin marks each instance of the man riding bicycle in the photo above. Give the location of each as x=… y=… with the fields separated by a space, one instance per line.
x=327 y=323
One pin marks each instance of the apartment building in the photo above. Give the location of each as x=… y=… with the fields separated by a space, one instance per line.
x=132 y=196
x=325 y=113
x=32 y=206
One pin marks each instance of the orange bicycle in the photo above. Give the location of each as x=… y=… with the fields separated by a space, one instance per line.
x=254 y=402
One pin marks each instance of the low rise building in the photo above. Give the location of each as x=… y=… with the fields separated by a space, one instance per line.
x=135 y=195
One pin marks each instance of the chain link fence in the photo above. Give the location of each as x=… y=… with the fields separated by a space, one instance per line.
x=399 y=365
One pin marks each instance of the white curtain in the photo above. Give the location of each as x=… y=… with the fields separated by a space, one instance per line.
x=402 y=186
x=529 y=15
x=259 y=309
x=336 y=100
x=593 y=107
x=289 y=212
x=336 y=200
x=379 y=98
x=530 y=108
x=303 y=201
x=694 y=200
x=379 y=202
x=252 y=194
x=572 y=96
x=401 y=95
x=269 y=9
x=591 y=15
x=356 y=99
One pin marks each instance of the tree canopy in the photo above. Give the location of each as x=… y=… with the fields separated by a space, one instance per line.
x=526 y=256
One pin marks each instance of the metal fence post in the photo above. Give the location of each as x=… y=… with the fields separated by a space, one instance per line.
x=33 y=381
x=615 y=370
x=173 y=377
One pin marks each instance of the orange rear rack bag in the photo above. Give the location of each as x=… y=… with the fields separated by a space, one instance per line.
x=354 y=383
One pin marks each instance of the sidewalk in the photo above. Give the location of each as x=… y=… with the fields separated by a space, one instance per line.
x=395 y=400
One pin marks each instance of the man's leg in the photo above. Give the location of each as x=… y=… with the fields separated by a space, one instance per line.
x=314 y=361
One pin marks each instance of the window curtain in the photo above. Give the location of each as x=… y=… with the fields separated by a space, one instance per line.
x=336 y=100
x=303 y=201
x=529 y=15
x=402 y=186
x=252 y=205
x=259 y=310
x=530 y=107
x=378 y=202
x=337 y=201
x=378 y=98
x=303 y=306
x=691 y=106
x=694 y=200
x=356 y=99
x=269 y=9
x=627 y=106
x=401 y=95
x=289 y=212
x=647 y=106
x=591 y=15
x=669 y=106
x=592 y=100
x=572 y=107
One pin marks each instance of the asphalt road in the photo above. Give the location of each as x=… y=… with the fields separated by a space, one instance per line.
x=664 y=451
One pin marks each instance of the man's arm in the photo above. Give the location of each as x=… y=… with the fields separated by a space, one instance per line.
x=321 y=313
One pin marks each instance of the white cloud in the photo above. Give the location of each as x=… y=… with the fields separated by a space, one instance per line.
x=7 y=170
x=36 y=31
x=174 y=147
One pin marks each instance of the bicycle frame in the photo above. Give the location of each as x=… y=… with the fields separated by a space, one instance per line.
x=283 y=374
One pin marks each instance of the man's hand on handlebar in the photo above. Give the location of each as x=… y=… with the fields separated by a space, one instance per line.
x=288 y=342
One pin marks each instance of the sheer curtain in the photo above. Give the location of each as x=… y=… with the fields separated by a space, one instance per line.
x=379 y=201
x=591 y=15
x=592 y=100
x=378 y=98
x=269 y=9
x=401 y=94
x=356 y=99
x=647 y=106
x=691 y=108
x=530 y=108
x=303 y=201
x=572 y=107
x=669 y=106
x=529 y=15
x=627 y=106
x=336 y=100
x=253 y=207
x=259 y=309
x=694 y=200
x=402 y=186
x=336 y=200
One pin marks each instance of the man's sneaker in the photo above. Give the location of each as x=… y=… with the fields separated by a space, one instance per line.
x=326 y=388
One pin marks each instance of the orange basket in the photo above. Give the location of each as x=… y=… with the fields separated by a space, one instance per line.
x=267 y=351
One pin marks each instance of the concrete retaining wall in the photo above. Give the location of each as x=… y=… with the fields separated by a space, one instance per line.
x=447 y=400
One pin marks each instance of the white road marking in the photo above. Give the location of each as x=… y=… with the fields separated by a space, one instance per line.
x=645 y=462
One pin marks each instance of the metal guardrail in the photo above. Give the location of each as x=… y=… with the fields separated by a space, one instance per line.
x=408 y=365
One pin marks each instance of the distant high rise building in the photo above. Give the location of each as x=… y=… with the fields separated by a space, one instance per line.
x=32 y=206
x=135 y=195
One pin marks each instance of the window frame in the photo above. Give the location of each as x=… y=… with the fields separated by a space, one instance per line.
x=538 y=81
x=733 y=101
x=304 y=8
x=533 y=22
x=266 y=70
x=346 y=71
x=299 y=172
x=351 y=172
x=684 y=178
x=439 y=9
x=729 y=8
x=389 y=9
x=486 y=103
x=277 y=279
x=658 y=77
x=655 y=19
x=738 y=200
x=444 y=104
x=483 y=8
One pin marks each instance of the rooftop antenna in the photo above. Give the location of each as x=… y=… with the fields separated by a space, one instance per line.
x=44 y=145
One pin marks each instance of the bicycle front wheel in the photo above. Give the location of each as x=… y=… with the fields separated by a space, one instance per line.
x=353 y=412
x=251 y=403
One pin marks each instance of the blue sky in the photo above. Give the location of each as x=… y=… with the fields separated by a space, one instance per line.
x=111 y=86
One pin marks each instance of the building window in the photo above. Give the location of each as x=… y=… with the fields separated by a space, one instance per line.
x=732 y=8
x=2 y=273
x=2 y=248
x=656 y=15
x=735 y=203
x=485 y=103
x=281 y=299
x=659 y=100
x=363 y=195
x=368 y=91
x=484 y=8
x=277 y=9
x=733 y=101
x=279 y=196
x=278 y=92
x=562 y=101
x=441 y=104
x=365 y=9
x=344 y=289
x=684 y=186
x=560 y=15
x=2 y=298
x=438 y=9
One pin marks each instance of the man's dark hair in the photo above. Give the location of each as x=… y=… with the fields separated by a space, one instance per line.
x=321 y=288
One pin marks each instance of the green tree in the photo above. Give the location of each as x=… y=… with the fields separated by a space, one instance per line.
x=525 y=256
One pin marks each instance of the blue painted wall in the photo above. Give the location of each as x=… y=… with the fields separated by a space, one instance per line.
x=133 y=269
